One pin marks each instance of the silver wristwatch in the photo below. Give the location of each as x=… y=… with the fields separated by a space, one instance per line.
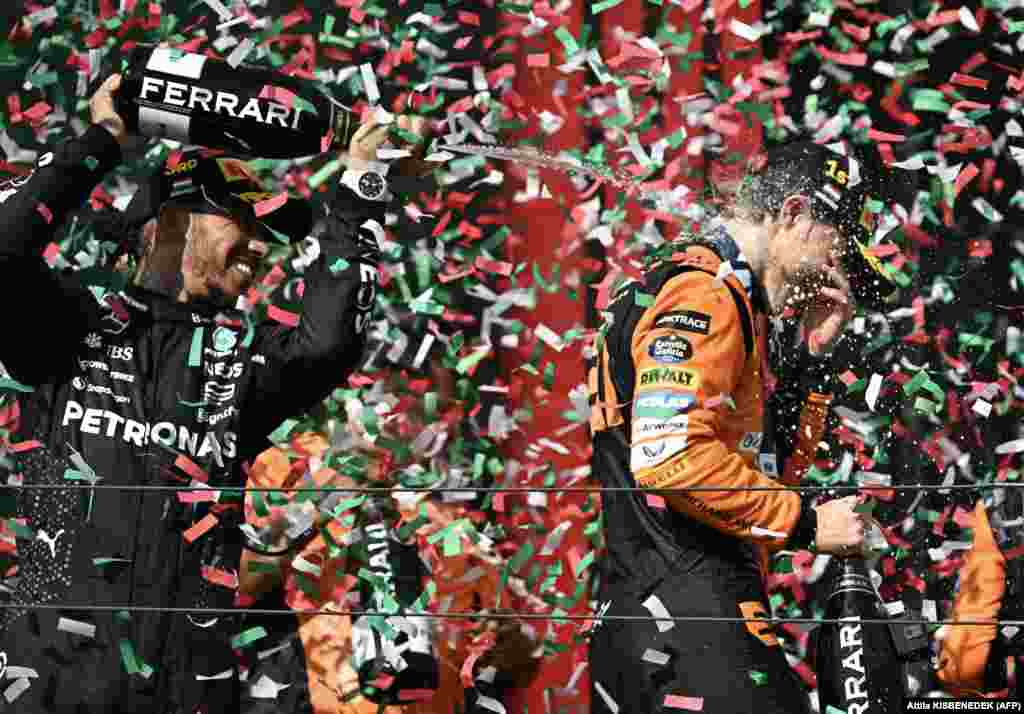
x=369 y=184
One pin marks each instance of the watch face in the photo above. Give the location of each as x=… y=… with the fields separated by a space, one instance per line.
x=371 y=184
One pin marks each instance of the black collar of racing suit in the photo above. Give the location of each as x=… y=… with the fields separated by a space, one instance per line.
x=163 y=309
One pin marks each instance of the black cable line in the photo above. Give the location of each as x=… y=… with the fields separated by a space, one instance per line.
x=500 y=616
x=518 y=489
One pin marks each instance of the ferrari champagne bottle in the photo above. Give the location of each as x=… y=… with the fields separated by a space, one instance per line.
x=859 y=670
x=171 y=94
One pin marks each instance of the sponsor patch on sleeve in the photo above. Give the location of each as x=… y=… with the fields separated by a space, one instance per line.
x=687 y=320
x=663 y=405
x=670 y=349
x=670 y=377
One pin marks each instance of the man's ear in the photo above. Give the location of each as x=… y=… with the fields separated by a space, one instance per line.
x=794 y=207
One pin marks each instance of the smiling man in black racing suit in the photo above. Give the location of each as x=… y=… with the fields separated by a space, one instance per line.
x=142 y=388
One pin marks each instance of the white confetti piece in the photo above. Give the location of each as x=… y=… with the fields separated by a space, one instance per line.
x=304 y=566
x=548 y=336
x=743 y=30
x=873 y=390
x=608 y=701
x=239 y=54
x=554 y=539
x=982 y=408
x=266 y=688
x=490 y=704
x=968 y=20
x=226 y=674
x=219 y=8
x=76 y=627
x=929 y=611
x=657 y=608
x=656 y=657
x=369 y=83
x=759 y=531
x=16 y=690
x=895 y=608
x=40 y=16
x=1011 y=447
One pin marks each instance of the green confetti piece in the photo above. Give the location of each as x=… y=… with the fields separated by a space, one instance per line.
x=11 y=385
x=262 y=566
x=195 y=352
x=469 y=361
x=759 y=678
x=20 y=532
x=324 y=172
x=524 y=553
x=452 y=544
x=567 y=40
x=643 y=299
x=103 y=562
x=915 y=384
x=91 y=162
x=585 y=562
x=246 y=638
x=829 y=709
x=925 y=406
x=280 y=434
x=259 y=504
x=599 y=7
x=338 y=266
x=128 y=658
x=349 y=504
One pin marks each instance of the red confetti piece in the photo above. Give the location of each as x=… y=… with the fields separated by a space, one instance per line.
x=469 y=18
x=967 y=80
x=853 y=59
x=271 y=204
x=415 y=695
x=540 y=60
x=966 y=175
x=220 y=577
x=383 y=681
x=25 y=446
x=197 y=496
x=283 y=316
x=494 y=266
x=45 y=212
x=692 y=704
x=277 y=94
x=885 y=136
x=655 y=501
x=191 y=468
x=200 y=528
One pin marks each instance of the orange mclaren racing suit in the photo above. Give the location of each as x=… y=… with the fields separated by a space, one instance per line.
x=986 y=659
x=677 y=401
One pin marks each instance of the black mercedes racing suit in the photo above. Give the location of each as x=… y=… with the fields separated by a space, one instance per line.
x=123 y=386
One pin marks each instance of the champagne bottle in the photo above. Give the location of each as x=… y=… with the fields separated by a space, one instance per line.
x=171 y=94
x=388 y=666
x=859 y=670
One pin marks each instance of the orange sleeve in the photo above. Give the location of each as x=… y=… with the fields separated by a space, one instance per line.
x=965 y=649
x=676 y=438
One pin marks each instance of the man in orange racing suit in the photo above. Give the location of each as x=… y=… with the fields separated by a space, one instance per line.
x=976 y=660
x=677 y=402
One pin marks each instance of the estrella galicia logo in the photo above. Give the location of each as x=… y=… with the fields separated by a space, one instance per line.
x=670 y=349
x=224 y=340
x=688 y=320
